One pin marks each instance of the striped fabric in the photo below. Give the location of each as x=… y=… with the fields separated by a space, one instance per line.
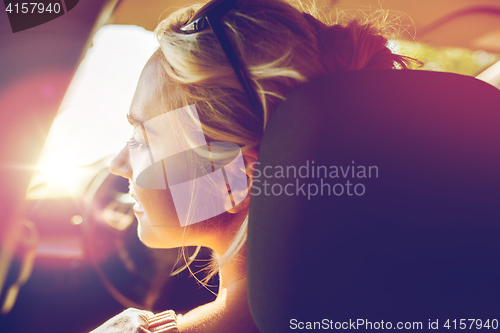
x=163 y=322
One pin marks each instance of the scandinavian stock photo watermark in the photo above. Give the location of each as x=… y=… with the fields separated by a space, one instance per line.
x=205 y=178
x=312 y=180
x=365 y=324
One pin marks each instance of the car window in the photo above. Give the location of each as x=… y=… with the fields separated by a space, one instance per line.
x=91 y=123
x=447 y=59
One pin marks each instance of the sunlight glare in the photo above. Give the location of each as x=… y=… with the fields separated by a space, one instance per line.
x=91 y=123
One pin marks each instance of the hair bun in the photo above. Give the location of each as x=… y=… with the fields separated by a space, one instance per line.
x=335 y=44
x=353 y=47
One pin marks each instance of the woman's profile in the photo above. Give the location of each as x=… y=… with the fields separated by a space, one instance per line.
x=232 y=62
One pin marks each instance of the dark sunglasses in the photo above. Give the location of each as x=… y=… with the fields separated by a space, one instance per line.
x=210 y=15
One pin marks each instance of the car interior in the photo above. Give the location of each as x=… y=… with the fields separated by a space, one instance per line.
x=421 y=243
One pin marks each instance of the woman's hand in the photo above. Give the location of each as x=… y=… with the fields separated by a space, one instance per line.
x=129 y=321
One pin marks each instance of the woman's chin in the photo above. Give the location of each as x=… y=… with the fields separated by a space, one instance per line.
x=147 y=238
x=157 y=237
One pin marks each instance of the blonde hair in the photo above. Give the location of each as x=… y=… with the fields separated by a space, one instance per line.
x=281 y=46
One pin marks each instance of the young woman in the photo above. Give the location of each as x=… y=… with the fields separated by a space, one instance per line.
x=234 y=78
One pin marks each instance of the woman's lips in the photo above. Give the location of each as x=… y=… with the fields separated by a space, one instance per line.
x=137 y=207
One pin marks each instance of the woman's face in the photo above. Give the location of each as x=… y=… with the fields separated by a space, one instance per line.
x=158 y=222
x=155 y=119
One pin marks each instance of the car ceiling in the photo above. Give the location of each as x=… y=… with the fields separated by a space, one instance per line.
x=472 y=24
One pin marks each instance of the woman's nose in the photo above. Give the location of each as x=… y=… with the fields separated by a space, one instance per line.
x=120 y=165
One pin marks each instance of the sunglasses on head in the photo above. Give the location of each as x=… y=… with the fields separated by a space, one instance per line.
x=210 y=15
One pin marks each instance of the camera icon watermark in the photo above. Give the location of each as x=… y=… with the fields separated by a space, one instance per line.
x=205 y=179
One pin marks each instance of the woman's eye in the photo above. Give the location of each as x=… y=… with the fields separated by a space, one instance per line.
x=133 y=143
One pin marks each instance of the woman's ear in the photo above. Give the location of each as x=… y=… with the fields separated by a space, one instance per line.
x=250 y=157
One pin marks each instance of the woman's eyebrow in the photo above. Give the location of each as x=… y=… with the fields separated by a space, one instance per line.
x=136 y=122
x=133 y=121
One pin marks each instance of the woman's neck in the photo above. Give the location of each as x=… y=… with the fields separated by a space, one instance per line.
x=230 y=311
x=232 y=272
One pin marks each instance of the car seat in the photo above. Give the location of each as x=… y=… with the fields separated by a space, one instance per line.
x=418 y=240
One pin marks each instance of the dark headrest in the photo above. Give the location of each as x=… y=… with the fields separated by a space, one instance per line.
x=410 y=227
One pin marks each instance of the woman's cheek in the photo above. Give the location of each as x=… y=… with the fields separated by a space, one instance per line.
x=159 y=226
x=158 y=206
